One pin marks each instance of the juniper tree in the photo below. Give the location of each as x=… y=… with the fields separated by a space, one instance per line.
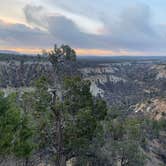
x=16 y=130
x=76 y=115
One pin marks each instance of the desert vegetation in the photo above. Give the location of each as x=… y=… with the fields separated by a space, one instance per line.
x=61 y=123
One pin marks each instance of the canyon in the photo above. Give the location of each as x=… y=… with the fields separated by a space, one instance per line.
x=137 y=87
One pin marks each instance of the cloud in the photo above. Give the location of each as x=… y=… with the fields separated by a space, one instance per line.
x=132 y=30
x=66 y=31
x=61 y=28
x=21 y=35
x=85 y=7
x=36 y=16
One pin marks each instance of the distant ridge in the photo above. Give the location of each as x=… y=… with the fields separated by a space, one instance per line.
x=122 y=57
x=9 y=52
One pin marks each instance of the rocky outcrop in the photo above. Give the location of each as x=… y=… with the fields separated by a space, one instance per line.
x=100 y=75
x=19 y=73
x=161 y=71
x=154 y=109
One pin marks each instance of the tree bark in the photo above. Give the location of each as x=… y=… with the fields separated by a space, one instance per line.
x=60 y=157
x=60 y=153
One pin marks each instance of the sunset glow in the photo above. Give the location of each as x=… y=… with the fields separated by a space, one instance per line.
x=86 y=52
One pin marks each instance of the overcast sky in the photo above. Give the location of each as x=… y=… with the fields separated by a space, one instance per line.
x=101 y=27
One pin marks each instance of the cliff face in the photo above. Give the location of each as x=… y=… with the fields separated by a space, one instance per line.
x=126 y=83
x=140 y=87
x=100 y=75
x=119 y=83
x=154 y=109
x=20 y=74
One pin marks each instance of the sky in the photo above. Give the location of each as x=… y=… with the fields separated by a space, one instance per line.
x=100 y=27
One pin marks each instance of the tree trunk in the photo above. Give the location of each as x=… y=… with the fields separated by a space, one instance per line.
x=61 y=161
x=60 y=157
x=25 y=163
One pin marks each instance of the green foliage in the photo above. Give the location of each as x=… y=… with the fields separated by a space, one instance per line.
x=162 y=124
x=60 y=56
x=75 y=109
x=98 y=106
x=69 y=53
x=78 y=94
x=127 y=137
x=24 y=144
x=133 y=128
x=3 y=104
x=78 y=134
x=124 y=138
x=81 y=114
x=16 y=133
x=154 y=127
x=40 y=109
x=84 y=114
x=42 y=96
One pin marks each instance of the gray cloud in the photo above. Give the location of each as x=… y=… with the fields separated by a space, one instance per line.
x=67 y=31
x=21 y=35
x=95 y=10
x=132 y=30
x=35 y=15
